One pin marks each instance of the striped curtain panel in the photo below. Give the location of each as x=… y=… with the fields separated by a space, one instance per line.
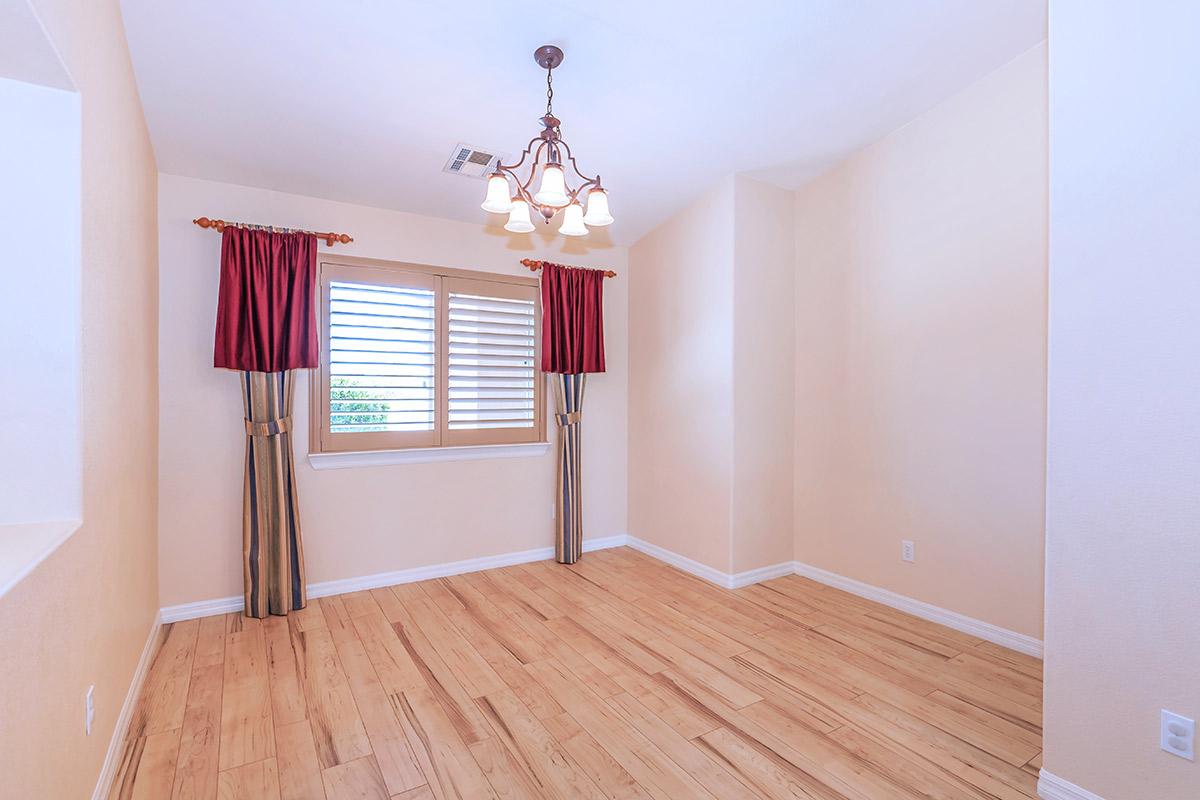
x=568 y=510
x=271 y=550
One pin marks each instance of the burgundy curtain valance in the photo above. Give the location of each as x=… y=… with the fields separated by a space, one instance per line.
x=265 y=319
x=572 y=319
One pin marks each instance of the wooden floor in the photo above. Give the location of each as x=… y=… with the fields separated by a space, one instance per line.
x=618 y=677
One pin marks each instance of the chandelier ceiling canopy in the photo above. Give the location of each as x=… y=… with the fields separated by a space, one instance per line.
x=550 y=160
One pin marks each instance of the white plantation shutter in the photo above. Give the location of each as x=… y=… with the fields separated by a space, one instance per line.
x=421 y=359
x=491 y=342
x=381 y=358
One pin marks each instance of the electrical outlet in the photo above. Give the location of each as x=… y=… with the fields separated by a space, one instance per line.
x=908 y=551
x=89 y=710
x=1177 y=735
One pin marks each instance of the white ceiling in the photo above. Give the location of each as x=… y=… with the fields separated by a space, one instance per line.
x=363 y=101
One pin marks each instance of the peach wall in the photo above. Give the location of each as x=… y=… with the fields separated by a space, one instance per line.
x=920 y=355
x=368 y=520
x=710 y=453
x=680 y=396
x=764 y=364
x=1123 y=489
x=83 y=615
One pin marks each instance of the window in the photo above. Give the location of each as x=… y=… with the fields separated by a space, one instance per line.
x=421 y=357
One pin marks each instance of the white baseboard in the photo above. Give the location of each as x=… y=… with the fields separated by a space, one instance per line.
x=951 y=619
x=117 y=742
x=725 y=579
x=225 y=605
x=711 y=574
x=751 y=576
x=1052 y=787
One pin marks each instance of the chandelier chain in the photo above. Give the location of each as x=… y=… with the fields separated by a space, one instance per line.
x=550 y=92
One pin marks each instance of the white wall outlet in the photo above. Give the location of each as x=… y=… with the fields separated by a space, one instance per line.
x=908 y=551
x=1177 y=735
x=89 y=706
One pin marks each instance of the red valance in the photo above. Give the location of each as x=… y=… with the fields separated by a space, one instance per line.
x=572 y=319
x=265 y=319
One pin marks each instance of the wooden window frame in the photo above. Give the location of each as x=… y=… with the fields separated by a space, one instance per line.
x=442 y=280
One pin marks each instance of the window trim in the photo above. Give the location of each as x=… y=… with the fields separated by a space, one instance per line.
x=321 y=443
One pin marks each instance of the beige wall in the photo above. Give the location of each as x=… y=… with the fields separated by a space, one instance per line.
x=680 y=363
x=358 y=521
x=710 y=442
x=920 y=347
x=82 y=617
x=764 y=364
x=1123 y=489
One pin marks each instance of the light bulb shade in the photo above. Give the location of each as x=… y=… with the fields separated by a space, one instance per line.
x=497 y=200
x=572 y=224
x=553 y=191
x=518 y=217
x=597 y=210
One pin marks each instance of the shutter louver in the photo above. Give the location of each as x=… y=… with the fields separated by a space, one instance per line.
x=490 y=356
x=381 y=358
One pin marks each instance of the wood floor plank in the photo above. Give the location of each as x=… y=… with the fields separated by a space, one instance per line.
x=197 y=766
x=440 y=680
x=758 y=770
x=247 y=729
x=256 y=781
x=715 y=778
x=1019 y=661
x=509 y=776
x=906 y=769
x=616 y=678
x=393 y=755
x=554 y=772
x=148 y=769
x=654 y=772
x=296 y=760
x=210 y=642
x=446 y=760
x=164 y=693
x=283 y=670
x=337 y=727
x=471 y=669
x=420 y=793
x=496 y=640
x=359 y=779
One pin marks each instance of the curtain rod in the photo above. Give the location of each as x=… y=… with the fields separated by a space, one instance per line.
x=535 y=265
x=219 y=225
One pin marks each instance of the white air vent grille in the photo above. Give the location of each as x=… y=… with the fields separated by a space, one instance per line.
x=471 y=161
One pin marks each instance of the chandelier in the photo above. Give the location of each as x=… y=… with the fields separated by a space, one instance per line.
x=549 y=156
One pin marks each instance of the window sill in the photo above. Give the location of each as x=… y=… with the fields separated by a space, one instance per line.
x=423 y=455
x=25 y=545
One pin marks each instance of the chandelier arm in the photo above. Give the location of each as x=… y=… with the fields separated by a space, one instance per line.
x=575 y=166
x=537 y=155
x=511 y=168
x=575 y=194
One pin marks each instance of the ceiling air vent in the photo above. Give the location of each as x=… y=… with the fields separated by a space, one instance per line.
x=471 y=161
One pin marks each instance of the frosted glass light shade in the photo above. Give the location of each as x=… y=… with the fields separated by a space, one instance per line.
x=518 y=217
x=597 y=210
x=497 y=201
x=553 y=191
x=572 y=224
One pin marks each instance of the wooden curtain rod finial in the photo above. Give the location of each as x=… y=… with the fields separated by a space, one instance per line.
x=220 y=225
x=205 y=222
x=534 y=265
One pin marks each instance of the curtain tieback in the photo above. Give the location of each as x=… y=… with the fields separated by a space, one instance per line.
x=270 y=428
x=567 y=419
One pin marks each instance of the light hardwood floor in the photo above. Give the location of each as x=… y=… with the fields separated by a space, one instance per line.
x=618 y=677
